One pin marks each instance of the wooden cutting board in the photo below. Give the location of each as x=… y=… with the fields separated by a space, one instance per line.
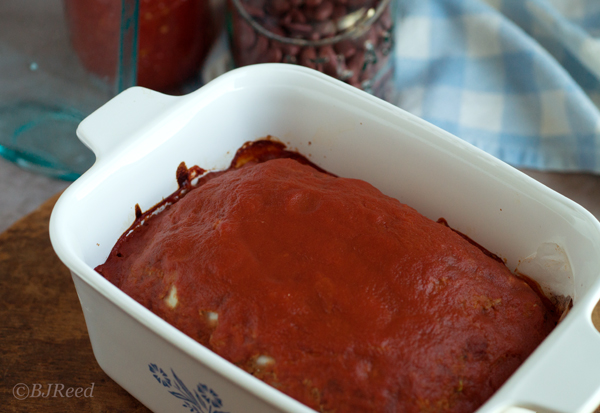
x=44 y=345
x=43 y=337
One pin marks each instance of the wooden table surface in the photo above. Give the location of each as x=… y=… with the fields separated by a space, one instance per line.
x=43 y=336
x=44 y=343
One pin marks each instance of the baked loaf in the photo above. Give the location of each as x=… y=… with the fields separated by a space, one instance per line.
x=342 y=297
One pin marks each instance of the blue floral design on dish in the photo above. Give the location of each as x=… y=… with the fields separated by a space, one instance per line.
x=203 y=399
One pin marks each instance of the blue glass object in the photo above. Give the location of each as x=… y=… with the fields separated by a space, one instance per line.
x=45 y=91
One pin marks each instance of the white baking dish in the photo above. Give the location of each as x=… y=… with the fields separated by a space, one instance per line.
x=141 y=136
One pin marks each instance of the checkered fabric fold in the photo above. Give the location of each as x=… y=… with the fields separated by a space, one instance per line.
x=518 y=78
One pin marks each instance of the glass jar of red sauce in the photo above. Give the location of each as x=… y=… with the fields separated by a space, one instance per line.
x=173 y=39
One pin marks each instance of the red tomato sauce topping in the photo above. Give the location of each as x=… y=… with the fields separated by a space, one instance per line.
x=329 y=290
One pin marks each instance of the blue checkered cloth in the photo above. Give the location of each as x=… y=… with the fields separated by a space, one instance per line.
x=519 y=79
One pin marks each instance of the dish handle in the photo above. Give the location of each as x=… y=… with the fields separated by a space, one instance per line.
x=565 y=378
x=118 y=120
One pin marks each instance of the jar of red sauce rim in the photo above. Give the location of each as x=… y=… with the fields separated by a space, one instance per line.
x=173 y=39
x=351 y=40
